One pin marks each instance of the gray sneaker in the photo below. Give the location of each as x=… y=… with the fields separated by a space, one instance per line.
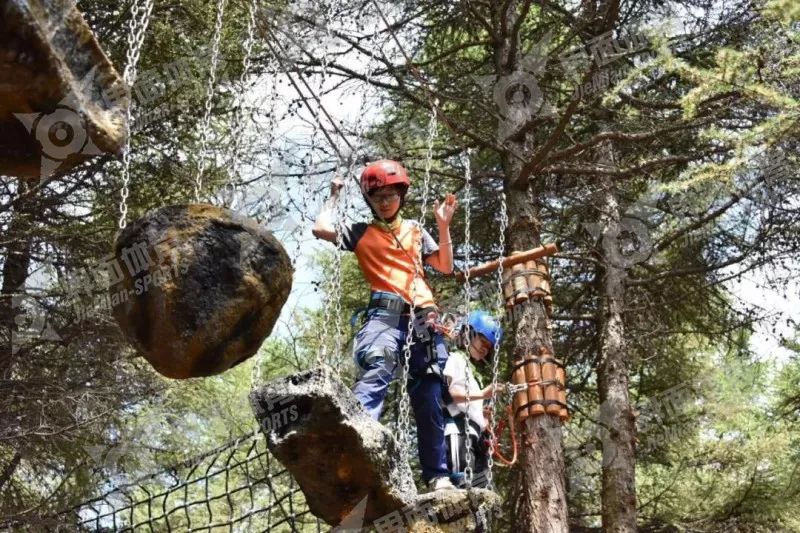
x=441 y=483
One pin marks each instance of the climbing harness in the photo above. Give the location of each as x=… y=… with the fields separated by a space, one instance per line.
x=137 y=29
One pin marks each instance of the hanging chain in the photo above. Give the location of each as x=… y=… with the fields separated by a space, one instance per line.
x=495 y=351
x=342 y=206
x=403 y=409
x=137 y=30
x=237 y=124
x=272 y=123
x=309 y=165
x=212 y=82
x=433 y=128
x=467 y=295
x=336 y=284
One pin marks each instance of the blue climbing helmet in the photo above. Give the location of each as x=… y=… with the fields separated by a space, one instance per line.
x=485 y=324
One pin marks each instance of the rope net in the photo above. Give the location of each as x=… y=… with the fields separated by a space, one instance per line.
x=236 y=487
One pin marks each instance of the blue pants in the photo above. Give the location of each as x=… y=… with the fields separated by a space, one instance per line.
x=379 y=352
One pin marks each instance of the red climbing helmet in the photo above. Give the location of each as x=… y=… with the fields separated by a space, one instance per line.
x=382 y=173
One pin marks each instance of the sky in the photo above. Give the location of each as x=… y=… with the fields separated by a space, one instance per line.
x=349 y=107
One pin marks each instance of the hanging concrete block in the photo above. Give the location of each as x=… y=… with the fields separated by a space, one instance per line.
x=199 y=288
x=349 y=466
x=61 y=101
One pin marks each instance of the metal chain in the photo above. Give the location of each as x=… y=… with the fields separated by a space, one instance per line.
x=467 y=295
x=212 y=81
x=237 y=124
x=403 y=409
x=495 y=351
x=272 y=122
x=333 y=304
x=343 y=205
x=336 y=285
x=322 y=353
x=433 y=128
x=137 y=31
x=309 y=166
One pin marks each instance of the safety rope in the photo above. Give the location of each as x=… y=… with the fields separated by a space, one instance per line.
x=497 y=433
x=496 y=348
x=210 y=90
x=137 y=29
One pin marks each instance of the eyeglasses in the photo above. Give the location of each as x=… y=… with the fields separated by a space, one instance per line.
x=384 y=198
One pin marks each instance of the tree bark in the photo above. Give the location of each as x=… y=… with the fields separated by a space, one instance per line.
x=616 y=415
x=542 y=507
x=542 y=503
x=15 y=269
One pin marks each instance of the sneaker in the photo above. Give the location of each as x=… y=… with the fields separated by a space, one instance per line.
x=441 y=483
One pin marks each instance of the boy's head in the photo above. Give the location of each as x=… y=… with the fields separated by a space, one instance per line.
x=384 y=184
x=483 y=331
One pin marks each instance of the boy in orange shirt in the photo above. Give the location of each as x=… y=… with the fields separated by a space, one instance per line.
x=390 y=252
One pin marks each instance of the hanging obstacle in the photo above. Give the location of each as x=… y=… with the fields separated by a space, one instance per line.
x=528 y=278
x=539 y=386
x=61 y=101
x=202 y=289
x=204 y=286
x=538 y=380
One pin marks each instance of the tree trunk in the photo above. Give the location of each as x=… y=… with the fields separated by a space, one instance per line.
x=15 y=269
x=616 y=416
x=542 y=507
x=542 y=503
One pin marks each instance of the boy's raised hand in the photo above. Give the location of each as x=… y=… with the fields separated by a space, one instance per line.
x=336 y=185
x=444 y=211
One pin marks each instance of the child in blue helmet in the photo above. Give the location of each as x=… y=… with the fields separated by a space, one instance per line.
x=478 y=334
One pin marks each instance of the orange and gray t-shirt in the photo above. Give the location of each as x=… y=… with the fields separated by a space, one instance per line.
x=386 y=266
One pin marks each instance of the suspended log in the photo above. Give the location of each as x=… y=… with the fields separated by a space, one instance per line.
x=516 y=259
x=61 y=101
x=199 y=288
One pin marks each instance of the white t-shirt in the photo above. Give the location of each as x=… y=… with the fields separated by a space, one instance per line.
x=458 y=372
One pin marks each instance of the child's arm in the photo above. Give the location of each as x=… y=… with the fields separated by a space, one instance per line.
x=443 y=259
x=459 y=395
x=324 y=227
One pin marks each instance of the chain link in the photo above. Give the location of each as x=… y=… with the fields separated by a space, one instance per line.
x=467 y=296
x=403 y=422
x=495 y=351
x=210 y=89
x=272 y=122
x=433 y=128
x=237 y=123
x=137 y=30
x=333 y=307
x=336 y=283
x=331 y=282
